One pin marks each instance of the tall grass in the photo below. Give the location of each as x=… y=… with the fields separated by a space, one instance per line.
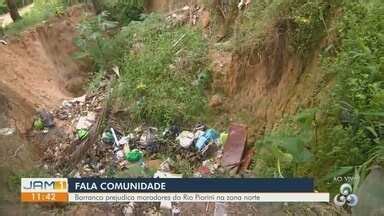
x=42 y=10
x=347 y=131
x=162 y=68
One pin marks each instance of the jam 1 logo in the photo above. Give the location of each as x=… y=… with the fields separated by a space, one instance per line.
x=44 y=185
x=346 y=197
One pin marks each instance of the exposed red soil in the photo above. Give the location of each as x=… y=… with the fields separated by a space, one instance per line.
x=38 y=70
x=264 y=85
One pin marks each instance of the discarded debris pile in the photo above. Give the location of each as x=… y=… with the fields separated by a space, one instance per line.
x=65 y=128
x=83 y=139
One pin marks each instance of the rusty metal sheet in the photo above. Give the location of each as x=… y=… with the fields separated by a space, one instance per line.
x=234 y=147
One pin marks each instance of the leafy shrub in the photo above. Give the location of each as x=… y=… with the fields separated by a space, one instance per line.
x=305 y=22
x=346 y=137
x=19 y=3
x=358 y=96
x=282 y=151
x=126 y=11
x=93 y=41
x=41 y=11
x=159 y=70
x=162 y=69
x=3 y=7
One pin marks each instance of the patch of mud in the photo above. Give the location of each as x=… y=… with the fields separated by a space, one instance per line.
x=38 y=70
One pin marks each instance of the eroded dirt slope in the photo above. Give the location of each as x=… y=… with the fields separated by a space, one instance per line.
x=37 y=69
x=264 y=86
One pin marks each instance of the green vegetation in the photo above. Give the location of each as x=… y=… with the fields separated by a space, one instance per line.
x=158 y=73
x=19 y=3
x=161 y=76
x=41 y=11
x=303 y=21
x=125 y=11
x=358 y=96
x=3 y=7
x=344 y=135
x=162 y=68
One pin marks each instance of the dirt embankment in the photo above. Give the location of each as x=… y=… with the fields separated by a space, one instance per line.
x=38 y=70
x=260 y=85
x=264 y=85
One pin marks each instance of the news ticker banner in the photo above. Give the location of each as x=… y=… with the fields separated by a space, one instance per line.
x=173 y=190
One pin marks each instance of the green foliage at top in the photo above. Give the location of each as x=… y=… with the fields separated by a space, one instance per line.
x=94 y=43
x=303 y=20
x=19 y=3
x=3 y=7
x=347 y=135
x=41 y=11
x=160 y=71
x=125 y=11
x=162 y=68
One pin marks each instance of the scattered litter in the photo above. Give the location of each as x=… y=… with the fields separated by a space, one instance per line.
x=167 y=165
x=209 y=136
x=116 y=70
x=208 y=168
x=223 y=138
x=107 y=137
x=134 y=155
x=220 y=209
x=128 y=209
x=198 y=134
x=85 y=122
x=176 y=211
x=4 y=42
x=114 y=137
x=7 y=131
x=172 y=131
x=166 y=205
x=148 y=140
x=212 y=166
x=124 y=140
x=161 y=174
x=234 y=147
x=47 y=118
x=200 y=127
x=80 y=99
x=243 y=3
x=38 y=124
x=82 y=134
x=120 y=155
x=186 y=139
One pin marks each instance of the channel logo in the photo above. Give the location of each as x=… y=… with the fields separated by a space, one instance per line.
x=44 y=185
x=346 y=197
